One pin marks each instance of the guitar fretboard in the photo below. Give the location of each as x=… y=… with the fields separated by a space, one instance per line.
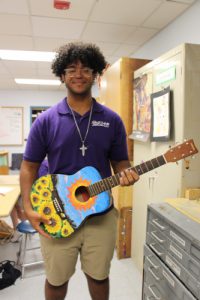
x=114 y=180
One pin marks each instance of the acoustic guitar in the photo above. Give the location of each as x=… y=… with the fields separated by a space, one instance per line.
x=68 y=200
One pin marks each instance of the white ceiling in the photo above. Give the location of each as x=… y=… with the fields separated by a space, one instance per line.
x=118 y=27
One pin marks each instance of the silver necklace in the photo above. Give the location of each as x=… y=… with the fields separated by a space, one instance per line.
x=83 y=148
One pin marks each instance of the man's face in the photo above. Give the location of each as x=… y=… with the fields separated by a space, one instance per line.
x=78 y=78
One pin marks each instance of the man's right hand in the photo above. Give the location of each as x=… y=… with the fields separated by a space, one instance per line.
x=36 y=219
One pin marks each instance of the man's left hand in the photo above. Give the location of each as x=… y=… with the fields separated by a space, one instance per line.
x=128 y=177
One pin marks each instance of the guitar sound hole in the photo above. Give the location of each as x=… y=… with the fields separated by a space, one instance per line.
x=82 y=194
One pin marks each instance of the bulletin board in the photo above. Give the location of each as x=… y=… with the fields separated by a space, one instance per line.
x=11 y=125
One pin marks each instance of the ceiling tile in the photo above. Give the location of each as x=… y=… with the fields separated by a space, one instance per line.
x=79 y=9
x=8 y=83
x=129 y=12
x=106 y=32
x=44 y=66
x=44 y=70
x=140 y=36
x=57 y=28
x=44 y=74
x=14 y=25
x=3 y=70
x=21 y=68
x=166 y=13
x=112 y=59
x=18 y=7
x=49 y=44
x=125 y=50
x=107 y=48
x=15 y=42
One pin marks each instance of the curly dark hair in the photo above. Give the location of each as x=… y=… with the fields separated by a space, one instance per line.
x=88 y=54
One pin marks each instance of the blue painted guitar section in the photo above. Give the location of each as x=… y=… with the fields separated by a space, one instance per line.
x=102 y=201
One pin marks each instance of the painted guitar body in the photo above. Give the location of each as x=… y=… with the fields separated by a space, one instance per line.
x=68 y=200
x=54 y=196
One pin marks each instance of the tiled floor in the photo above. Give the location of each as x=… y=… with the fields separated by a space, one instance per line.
x=125 y=280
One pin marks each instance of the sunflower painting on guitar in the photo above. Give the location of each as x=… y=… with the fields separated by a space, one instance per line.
x=41 y=199
x=56 y=197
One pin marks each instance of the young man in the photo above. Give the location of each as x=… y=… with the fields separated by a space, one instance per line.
x=75 y=133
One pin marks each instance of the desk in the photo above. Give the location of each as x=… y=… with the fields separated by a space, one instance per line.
x=9 y=187
x=8 y=199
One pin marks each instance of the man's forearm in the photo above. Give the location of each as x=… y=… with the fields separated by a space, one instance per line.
x=28 y=174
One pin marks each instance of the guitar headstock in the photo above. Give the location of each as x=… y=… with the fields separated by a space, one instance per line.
x=181 y=151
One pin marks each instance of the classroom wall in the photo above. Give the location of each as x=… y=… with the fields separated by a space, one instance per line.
x=26 y=99
x=184 y=29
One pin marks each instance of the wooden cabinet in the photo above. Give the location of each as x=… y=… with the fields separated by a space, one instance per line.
x=124 y=228
x=116 y=92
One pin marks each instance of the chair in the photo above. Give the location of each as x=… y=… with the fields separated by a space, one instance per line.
x=27 y=231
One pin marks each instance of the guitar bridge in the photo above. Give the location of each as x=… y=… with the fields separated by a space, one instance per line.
x=56 y=200
x=59 y=208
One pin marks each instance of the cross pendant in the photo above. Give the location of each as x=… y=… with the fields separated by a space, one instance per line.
x=83 y=148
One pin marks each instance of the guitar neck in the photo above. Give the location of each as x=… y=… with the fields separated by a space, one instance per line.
x=114 y=180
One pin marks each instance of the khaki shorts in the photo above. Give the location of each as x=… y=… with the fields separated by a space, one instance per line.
x=94 y=241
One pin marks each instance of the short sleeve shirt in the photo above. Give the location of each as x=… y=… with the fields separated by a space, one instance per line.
x=54 y=133
x=44 y=168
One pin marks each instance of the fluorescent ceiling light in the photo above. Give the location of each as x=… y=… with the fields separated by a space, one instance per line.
x=37 y=81
x=27 y=55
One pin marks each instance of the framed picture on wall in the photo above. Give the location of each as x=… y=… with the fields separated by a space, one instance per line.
x=161 y=115
x=143 y=87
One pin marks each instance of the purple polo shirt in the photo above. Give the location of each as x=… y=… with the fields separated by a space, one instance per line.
x=54 y=134
x=44 y=168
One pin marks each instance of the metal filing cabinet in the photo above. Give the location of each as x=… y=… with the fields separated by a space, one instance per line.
x=171 y=255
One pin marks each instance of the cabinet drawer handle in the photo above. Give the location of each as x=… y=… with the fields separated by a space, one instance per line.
x=153 y=293
x=155 y=221
x=157 y=252
x=156 y=237
x=153 y=274
x=150 y=261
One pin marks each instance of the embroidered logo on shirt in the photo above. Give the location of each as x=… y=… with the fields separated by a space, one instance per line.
x=101 y=124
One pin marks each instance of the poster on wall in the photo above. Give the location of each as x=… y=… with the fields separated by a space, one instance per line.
x=143 y=87
x=160 y=112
